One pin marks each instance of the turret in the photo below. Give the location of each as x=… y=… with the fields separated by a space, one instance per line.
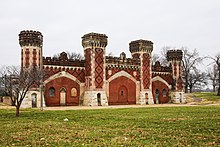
x=174 y=58
x=31 y=48
x=94 y=45
x=142 y=49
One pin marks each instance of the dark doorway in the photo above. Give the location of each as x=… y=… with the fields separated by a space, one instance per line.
x=99 y=99
x=157 y=96
x=146 y=97
x=34 y=100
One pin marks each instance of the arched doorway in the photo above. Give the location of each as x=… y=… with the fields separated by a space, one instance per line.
x=146 y=97
x=34 y=100
x=157 y=96
x=99 y=99
x=123 y=95
x=62 y=96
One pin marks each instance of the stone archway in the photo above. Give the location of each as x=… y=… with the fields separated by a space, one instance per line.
x=122 y=91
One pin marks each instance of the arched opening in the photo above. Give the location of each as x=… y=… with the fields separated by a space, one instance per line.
x=164 y=93
x=157 y=96
x=146 y=97
x=34 y=100
x=63 y=96
x=51 y=91
x=180 y=97
x=73 y=92
x=123 y=94
x=99 y=99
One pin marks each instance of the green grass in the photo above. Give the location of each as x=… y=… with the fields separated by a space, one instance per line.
x=209 y=96
x=162 y=126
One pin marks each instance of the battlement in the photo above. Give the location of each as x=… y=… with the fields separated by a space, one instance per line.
x=30 y=38
x=63 y=61
x=174 y=55
x=159 y=68
x=94 y=40
x=124 y=61
x=141 y=46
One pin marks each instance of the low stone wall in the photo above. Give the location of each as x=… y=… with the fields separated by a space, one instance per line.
x=7 y=100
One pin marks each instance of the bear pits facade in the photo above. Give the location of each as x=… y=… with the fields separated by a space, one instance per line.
x=101 y=80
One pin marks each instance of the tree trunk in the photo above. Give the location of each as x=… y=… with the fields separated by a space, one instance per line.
x=218 y=91
x=17 y=111
x=190 y=89
x=213 y=88
x=186 y=83
x=218 y=80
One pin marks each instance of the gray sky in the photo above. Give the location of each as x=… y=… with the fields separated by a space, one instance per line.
x=177 y=23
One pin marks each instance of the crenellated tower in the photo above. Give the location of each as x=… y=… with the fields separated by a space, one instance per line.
x=174 y=58
x=142 y=49
x=31 y=49
x=94 y=50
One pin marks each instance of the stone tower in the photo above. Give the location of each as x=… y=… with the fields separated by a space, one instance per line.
x=31 y=49
x=142 y=49
x=31 y=57
x=94 y=50
x=174 y=58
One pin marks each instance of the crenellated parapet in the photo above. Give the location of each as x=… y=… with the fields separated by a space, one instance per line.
x=173 y=55
x=159 y=68
x=94 y=40
x=30 y=38
x=125 y=61
x=141 y=46
x=63 y=60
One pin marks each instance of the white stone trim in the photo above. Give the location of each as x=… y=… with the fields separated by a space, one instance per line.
x=65 y=67
x=157 y=78
x=122 y=73
x=63 y=74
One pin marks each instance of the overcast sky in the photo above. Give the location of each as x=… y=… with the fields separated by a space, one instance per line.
x=176 y=23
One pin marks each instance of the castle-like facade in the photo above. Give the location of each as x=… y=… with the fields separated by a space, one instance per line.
x=101 y=80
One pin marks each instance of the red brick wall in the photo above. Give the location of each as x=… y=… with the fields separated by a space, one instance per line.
x=88 y=53
x=27 y=58
x=99 y=66
x=116 y=96
x=167 y=77
x=78 y=73
x=160 y=86
x=116 y=70
x=34 y=58
x=59 y=83
x=146 y=71
x=22 y=58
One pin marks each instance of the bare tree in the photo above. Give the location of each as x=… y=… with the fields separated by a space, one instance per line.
x=71 y=55
x=75 y=56
x=213 y=76
x=17 y=83
x=216 y=60
x=197 y=79
x=155 y=57
x=190 y=61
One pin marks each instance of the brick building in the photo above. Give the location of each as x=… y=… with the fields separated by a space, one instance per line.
x=99 y=79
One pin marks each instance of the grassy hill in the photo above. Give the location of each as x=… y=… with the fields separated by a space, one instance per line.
x=161 y=126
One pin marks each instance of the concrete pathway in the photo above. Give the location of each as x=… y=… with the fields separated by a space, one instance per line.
x=114 y=107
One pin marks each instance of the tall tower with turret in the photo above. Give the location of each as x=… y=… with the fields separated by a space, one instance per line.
x=31 y=57
x=142 y=49
x=31 y=49
x=174 y=58
x=94 y=50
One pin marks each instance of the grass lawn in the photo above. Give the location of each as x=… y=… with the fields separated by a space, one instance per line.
x=161 y=126
x=209 y=96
